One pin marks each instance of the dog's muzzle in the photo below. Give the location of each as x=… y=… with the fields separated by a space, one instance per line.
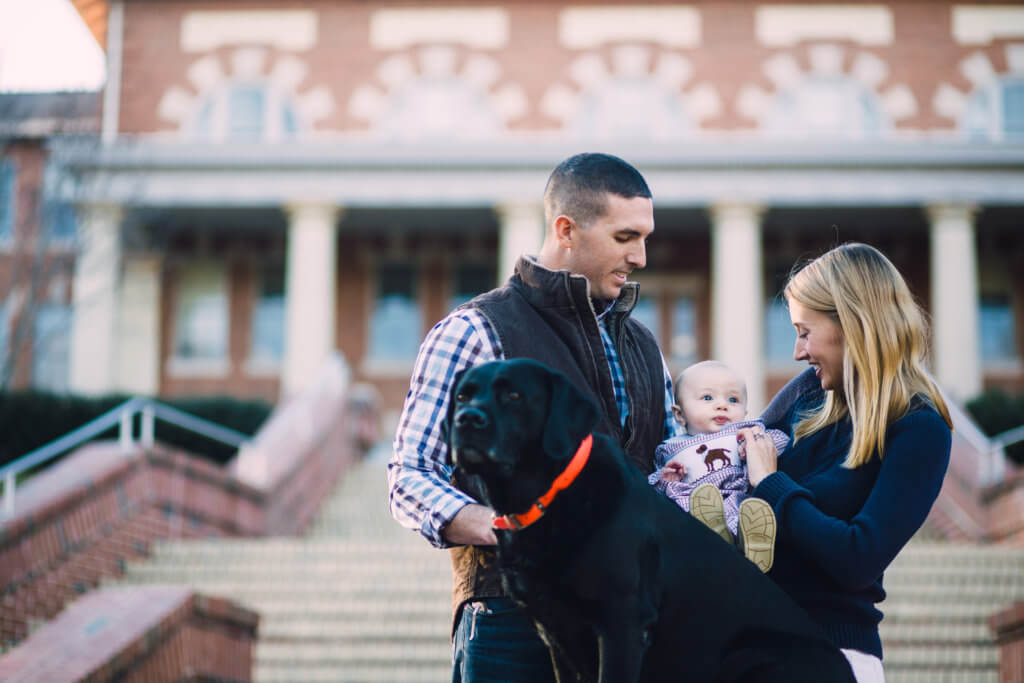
x=472 y=443
x=471 y=418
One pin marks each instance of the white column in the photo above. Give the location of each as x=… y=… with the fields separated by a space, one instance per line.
x=112 y=89
x=521 y=231
x=737 y=297
x=138 y=326
x=310 y=278
x=95 y=292
x=954 y=300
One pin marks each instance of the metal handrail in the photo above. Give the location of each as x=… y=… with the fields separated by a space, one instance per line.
x=1008 y=438
x=122 y=415
x=997 y=460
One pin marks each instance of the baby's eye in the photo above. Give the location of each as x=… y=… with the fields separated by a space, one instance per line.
x=733 y=399
x=706 y=397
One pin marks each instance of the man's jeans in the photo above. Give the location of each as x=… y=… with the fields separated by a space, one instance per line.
x=496 y=642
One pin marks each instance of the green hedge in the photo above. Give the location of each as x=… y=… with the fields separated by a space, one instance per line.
x=996 y=412
x=31 y=419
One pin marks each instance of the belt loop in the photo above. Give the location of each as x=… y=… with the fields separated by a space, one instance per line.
x=472 y=626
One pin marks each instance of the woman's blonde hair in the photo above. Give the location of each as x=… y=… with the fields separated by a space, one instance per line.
x=886 y=341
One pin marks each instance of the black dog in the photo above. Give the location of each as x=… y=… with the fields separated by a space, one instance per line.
x=622 y=584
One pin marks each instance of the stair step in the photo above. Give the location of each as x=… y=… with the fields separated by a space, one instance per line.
x=940 y=656
x=925 y=675
x=334 y=627
x=385 y=672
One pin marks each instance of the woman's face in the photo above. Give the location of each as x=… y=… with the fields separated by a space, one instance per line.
x=819 y=341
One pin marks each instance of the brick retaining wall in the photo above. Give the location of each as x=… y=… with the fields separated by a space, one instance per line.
x=139 y=633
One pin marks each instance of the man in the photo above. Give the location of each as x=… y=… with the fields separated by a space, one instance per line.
x=568 y=308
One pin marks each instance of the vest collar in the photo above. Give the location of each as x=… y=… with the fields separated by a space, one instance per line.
x=562 y=482
x=569 y=288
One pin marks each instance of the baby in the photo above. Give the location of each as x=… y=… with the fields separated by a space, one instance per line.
x=702 y=471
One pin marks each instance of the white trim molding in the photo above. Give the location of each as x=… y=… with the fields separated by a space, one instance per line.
x=205 y=30
x=787 y=25
x=581 y=28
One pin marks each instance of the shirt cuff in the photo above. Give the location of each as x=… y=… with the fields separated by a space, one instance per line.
x=434 y=523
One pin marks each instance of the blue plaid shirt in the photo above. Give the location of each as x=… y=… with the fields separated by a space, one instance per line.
x=421 y=495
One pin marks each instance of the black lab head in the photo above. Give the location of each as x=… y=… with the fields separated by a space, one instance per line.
x=515 y=420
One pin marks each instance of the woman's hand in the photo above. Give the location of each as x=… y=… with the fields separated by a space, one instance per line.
x=759 y=451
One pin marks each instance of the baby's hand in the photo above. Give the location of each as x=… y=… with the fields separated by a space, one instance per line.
x=673 y=471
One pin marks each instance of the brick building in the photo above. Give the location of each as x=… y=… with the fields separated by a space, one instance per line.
x=276 y=179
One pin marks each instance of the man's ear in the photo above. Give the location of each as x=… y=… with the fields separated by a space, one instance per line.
x=446 y=425
x=571 y=416
x=565 y=228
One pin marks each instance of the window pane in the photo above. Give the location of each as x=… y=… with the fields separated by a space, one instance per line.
x=646 y=313
x=289 y=120
x=201 y=330
x=63 y=223
x=268 y=318
x=245 y=113
x=1013 y=109
x=6 y=200
x=683 y=346
x=779 y=335
x=395 y=326
x=997 y=329
x=50 y=347
x=471 y=279
x=4 y=337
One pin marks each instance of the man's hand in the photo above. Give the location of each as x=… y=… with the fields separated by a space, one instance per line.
x=472 y=525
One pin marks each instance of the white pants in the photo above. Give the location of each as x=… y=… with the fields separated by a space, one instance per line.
x=866 y=668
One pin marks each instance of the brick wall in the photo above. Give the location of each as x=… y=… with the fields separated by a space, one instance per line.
x=1008 y=628
x=139 y=633
x=922 y=54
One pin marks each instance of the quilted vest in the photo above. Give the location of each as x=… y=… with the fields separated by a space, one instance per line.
x=549 y=316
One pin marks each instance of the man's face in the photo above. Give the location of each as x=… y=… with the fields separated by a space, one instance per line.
x=607 y=250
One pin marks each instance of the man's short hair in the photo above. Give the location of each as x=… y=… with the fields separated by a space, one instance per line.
x=578 y=186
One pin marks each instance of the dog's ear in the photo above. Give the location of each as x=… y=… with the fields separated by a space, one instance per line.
x=571 y=416
x=446 y=425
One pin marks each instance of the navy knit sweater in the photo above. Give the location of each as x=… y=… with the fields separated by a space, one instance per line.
x=838 y=529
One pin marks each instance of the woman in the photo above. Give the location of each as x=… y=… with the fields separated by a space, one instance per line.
x=871 y=440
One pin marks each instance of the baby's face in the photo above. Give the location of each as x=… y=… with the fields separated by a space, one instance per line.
x=710 y=398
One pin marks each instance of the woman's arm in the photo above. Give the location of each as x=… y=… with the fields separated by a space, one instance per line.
x=855 y=553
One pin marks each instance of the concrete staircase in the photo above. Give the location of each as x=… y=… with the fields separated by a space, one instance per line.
x=940 y=596
x=357 y=599
x=360 y=599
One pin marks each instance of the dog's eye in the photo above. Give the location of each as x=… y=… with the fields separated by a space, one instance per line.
x=460 y=398
x=513 y=395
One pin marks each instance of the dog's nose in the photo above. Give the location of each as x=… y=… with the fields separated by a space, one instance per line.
x=471 y=417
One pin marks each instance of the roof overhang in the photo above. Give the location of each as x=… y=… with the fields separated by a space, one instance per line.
x=375 y=174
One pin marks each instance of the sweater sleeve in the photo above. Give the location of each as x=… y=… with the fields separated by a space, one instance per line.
x=855 y=553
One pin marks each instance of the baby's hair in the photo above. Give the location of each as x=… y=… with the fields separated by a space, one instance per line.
x=706 y=364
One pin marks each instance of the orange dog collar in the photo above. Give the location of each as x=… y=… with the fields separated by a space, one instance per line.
x=562 y=482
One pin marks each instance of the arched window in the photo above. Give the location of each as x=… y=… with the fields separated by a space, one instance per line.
x=833 y=105
x=246 y=111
